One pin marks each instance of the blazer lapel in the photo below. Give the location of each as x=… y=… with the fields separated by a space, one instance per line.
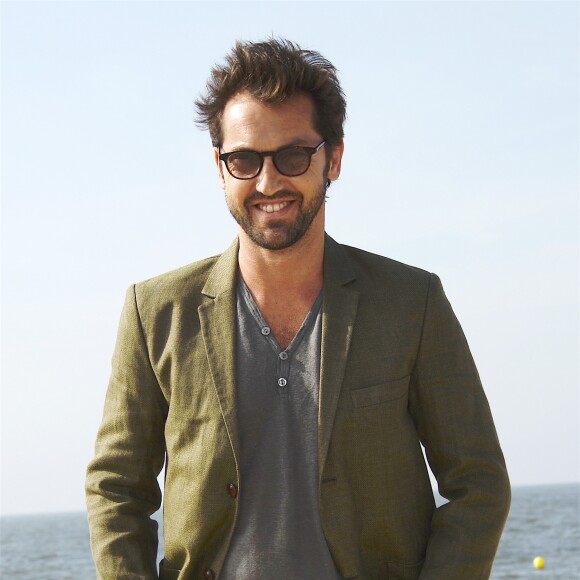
x=338 y=317
x=218 y=324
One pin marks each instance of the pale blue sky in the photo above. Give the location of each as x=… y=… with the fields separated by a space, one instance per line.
x=461 y=158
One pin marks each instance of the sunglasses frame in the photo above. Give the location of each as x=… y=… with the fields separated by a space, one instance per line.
x=263 y=154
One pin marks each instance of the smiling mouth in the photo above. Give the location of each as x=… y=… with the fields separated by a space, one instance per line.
x=273 y=207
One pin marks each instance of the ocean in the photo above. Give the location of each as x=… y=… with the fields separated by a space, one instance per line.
x=544 y=521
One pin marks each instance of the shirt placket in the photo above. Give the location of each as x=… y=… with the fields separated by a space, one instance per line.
x=284 y=356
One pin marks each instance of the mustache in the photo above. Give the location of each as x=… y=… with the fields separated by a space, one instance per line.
x=256 y=196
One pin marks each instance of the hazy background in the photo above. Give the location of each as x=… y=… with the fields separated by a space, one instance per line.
x=461 y=158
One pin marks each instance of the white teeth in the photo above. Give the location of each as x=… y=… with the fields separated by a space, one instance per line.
x=272 y=207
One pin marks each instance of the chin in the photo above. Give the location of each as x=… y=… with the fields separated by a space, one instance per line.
x=273 y=242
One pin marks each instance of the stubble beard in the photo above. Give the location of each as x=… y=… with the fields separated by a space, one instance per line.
x=279 y=235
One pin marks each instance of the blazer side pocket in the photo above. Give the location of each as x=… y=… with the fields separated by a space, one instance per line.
x=399 y=571
x=166 y=573
x=375 y=394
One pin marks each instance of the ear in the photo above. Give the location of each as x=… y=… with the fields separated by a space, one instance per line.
x=219 y=166
x=335 y=162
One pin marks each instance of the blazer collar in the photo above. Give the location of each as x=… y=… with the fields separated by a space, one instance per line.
x=338 y=267
x=223 y=276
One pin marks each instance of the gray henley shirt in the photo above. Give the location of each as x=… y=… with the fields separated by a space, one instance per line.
x=278 y=533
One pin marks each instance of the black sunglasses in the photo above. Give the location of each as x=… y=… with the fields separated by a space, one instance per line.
x=289 y=161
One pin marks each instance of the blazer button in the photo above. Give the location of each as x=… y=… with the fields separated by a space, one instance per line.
x=208 y=574
x=232 y=490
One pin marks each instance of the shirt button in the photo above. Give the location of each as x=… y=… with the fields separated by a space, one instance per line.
x=282 y=382
x=232 y=490
x=283 y=355
x=265 y=331
x=208 y=574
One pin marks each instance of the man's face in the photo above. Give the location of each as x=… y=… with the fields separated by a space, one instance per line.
x=273 y=210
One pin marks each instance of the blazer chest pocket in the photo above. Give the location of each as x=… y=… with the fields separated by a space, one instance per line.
x=375 y=394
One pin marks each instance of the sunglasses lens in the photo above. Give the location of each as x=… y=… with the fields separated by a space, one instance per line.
x=244 y=164
x=292 y=161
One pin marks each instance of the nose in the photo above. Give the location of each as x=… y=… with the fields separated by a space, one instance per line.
x=269 y=180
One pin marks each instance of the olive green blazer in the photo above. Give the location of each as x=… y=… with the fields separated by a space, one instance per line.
x=396 y=373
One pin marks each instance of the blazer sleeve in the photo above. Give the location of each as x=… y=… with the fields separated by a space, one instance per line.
x=121 y=486
x=455 y=425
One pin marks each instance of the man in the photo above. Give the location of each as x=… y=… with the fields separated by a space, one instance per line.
x=288 y=384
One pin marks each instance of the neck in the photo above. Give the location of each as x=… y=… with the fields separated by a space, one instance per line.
x=294 y=271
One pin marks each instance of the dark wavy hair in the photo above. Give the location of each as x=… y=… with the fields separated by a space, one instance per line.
x=272 y=72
